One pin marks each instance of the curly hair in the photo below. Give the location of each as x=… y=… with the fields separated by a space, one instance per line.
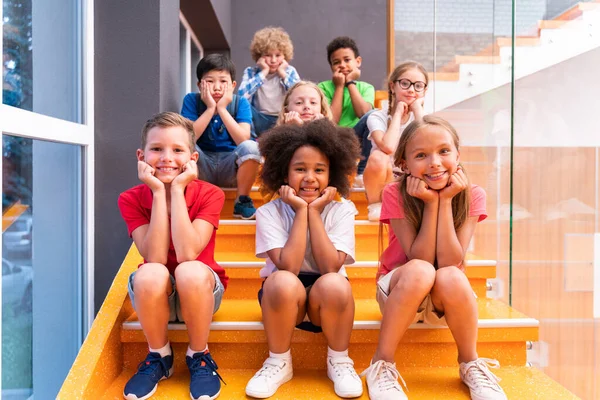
x=271 y=37
x=341 y=42
x=279 y=144
x=325 y=108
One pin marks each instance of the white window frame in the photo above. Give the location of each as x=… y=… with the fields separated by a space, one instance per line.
x=190 y=40
x=31 y=125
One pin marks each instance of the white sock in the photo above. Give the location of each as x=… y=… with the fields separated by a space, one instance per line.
x=282 y=356
x=163 y=351
x=190 y=353
x=334 y=354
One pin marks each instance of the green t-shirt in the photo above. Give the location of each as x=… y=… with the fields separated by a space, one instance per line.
x=348 y=117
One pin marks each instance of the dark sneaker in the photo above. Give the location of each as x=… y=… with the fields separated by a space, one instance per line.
x=204 y=383
x=244 y=208
x=153 y=369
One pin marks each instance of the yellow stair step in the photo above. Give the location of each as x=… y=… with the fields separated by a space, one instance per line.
x=423 y=383
x=237 y=328
x=244 y=279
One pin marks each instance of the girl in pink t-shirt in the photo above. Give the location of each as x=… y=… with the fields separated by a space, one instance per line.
x=432 y=210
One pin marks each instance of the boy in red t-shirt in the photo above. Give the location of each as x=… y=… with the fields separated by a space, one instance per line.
x=172 y=218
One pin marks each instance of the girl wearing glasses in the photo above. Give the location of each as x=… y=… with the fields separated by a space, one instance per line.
x=407 y=86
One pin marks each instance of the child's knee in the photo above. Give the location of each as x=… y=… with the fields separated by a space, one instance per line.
x=151 y=277
x=417 y=278
x=194 y=275
x=283 y=287
x=378 y=161
x=247 y=151
x=451 y=282
x=333 y=289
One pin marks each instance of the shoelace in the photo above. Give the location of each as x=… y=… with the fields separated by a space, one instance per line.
x=270 y=367
x=149 y=365
x=388 y=371
x=208 y=368
x=479 y=375
x=343 y=366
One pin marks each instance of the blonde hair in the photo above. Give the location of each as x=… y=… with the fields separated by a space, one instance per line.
x=271 y=37
x=397 y=73
x=168 y=120
x=325 y=109
x=413 y=207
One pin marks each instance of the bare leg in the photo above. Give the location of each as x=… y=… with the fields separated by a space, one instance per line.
x=246 y=175
x=377 y=173
x=452 y=295
x=195 y=284
x=410 y=284
x=283 y=307
x=331 y=306
x=152 y=287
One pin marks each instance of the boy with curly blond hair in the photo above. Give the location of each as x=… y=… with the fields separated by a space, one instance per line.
x=266 y=83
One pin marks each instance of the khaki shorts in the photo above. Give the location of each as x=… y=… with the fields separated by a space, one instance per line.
x=426 y=313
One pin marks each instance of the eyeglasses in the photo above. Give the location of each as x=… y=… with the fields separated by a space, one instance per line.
x=406 y=84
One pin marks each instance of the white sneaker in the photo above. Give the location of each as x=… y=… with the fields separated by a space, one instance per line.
x=274 y=373
x=374 y=212
x=382 y=381
x=482 y=383
x=358 y=182
x=346 y=382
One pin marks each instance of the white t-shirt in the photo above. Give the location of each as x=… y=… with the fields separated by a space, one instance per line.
x=378 y=121
x=269 y=97
x=274 y=222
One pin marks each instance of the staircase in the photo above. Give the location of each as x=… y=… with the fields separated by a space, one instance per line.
x=574 y=32
x=426 y=357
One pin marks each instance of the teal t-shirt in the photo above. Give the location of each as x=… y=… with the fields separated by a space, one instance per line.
x=348 y=118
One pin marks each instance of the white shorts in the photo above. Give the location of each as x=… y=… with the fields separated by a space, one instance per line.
x=426 y=313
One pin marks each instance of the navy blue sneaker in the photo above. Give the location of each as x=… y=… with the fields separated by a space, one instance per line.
x=205 y=380
x=153 y=369
x=244 y=208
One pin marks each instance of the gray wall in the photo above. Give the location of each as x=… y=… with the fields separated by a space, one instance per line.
x=136 y=75
x=311 y=25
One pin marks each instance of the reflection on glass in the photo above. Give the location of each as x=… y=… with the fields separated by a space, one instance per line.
x=17 y=271
x=41 y=57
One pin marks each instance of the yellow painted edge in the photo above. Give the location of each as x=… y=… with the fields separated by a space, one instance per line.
x=12 y=214
x=89 y=372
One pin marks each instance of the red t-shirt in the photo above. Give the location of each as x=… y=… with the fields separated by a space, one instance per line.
x=393 y=208
x=203 y=201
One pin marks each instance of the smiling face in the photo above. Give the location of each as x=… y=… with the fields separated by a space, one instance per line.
x=306 y=101
x=308 y=173
x=218 y=82
x=273 y=58
x=431 y=155
x=408 y=95
x=167 y=151
x=344 y=61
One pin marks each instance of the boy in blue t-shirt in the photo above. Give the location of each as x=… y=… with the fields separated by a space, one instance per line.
x=229 y=155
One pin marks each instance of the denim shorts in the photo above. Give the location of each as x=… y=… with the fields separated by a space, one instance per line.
x=174 y=304
x=220 y=168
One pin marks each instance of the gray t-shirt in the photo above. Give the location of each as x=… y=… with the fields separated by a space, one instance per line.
x=378 y=121
x=269 y=96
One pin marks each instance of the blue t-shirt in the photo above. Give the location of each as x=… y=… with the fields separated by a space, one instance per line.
x=215 y=137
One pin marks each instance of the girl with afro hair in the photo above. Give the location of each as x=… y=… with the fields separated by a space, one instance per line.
x=307 y=236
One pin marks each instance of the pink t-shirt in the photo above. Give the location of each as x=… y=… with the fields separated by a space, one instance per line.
x=393 y=208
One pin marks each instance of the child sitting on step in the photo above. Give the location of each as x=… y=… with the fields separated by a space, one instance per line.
x=432 y=210
x=265 y=84
x=172 y=217
x=304 y=102
x=307 y=236
x=407 y=86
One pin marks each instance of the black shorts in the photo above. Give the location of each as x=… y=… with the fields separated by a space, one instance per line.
x=307 y=281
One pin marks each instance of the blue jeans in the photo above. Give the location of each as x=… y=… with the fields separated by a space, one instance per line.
x=220 y=168
x=362 y=133
x=262 y=122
